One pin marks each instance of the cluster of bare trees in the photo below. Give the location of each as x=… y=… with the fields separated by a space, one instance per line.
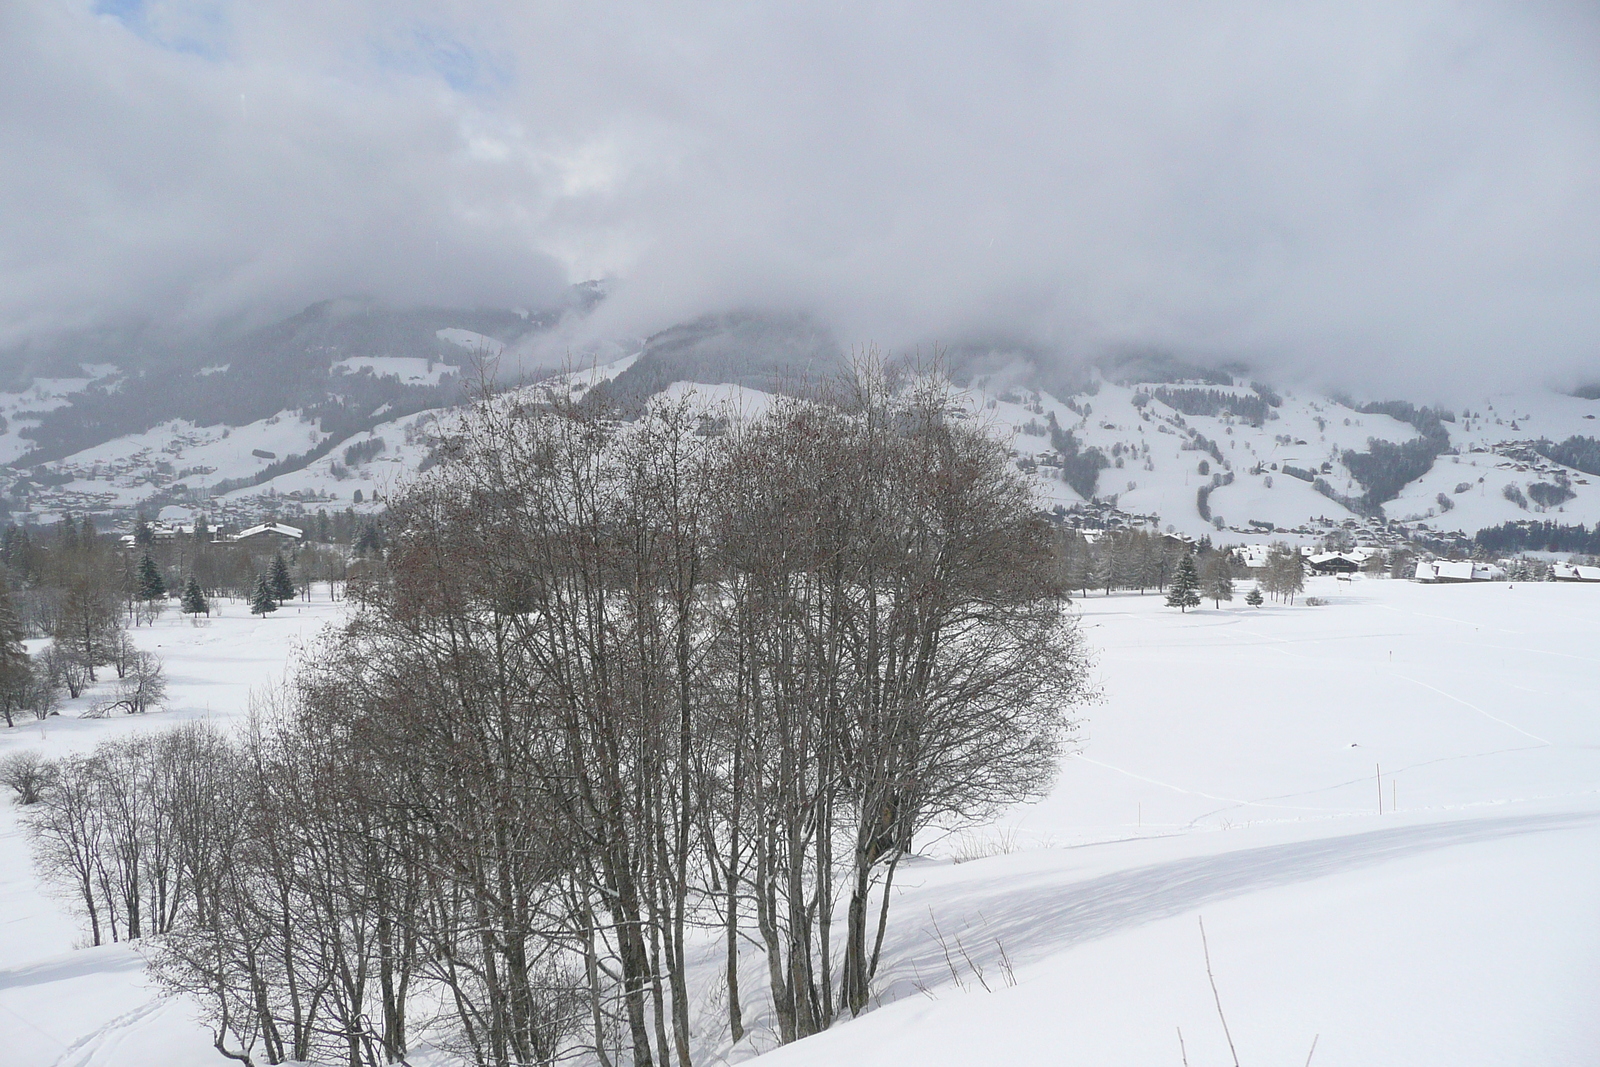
x=628 y=696
x=1135 y=559
x=116 y=830
x=77 y=588
x=1284 y=576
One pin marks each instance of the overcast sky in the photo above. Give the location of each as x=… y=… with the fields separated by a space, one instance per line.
x=1406 y=192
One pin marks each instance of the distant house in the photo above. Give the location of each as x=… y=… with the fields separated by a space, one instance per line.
x=164 y=533
x=1567 y=572
x=1333 y=563
x=1448 y=571
x=1255 y=556
x=269 y=535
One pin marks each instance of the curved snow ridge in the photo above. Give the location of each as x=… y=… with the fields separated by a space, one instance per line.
x=1010 y=921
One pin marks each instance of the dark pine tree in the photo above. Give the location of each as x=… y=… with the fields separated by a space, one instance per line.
x=279 y=581
x=369 y=541
x=1184 y=593
x=15 y=670
x=1254 y=598
x=151 y=585
x=261 y=600
x=194 y=601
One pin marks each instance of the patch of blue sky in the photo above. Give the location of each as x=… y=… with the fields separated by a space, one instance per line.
x=195 y=27
x=433 y=50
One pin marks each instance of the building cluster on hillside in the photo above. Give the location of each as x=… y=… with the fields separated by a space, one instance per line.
x=1446 y=571
x=1103 y=515
x=266 y=534
x=1522 y=457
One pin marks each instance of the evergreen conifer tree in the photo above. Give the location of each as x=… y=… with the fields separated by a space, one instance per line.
x=150 y=584
x=194 y=601
x=15 y=668
x=1254 y=597
x=1217 y=583
x=279 y=581
x=261 y=600
x=369 y=541
x=1184 y=592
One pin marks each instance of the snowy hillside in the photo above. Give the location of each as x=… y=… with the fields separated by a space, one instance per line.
x=1232 y=772
x=1156 y=455
x=1241 y=462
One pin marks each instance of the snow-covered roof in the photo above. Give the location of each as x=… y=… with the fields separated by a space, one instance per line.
x=1458 y=570
x=1255 y=555
x=270 y=527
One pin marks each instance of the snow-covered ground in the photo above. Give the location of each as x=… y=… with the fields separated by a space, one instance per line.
x=1230 y=772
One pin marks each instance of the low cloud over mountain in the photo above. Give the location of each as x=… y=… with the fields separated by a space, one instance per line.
x=1354 y=192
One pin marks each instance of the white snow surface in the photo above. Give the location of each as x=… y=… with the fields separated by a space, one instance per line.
x=472 y=342
x=1230 y=772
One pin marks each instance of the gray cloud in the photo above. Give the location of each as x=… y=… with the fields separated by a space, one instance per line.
x=1405 y=194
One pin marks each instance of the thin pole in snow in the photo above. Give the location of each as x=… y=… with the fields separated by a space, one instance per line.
x=1380 y=787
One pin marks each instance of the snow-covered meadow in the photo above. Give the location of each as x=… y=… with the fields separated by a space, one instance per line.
x=1231 y=771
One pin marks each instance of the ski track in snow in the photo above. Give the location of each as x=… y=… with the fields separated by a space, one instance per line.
x=100 y=1047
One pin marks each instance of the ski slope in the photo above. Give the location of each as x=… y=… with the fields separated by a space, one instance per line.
x=1230 y=771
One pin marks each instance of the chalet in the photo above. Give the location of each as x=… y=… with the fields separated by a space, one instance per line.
x=166 y=533
x=1254 y=556
x=269 y=535
x=1568 y=572
x=1452 y=571
x=1333 y=563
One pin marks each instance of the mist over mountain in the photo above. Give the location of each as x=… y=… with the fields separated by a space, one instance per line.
x=1400 y=197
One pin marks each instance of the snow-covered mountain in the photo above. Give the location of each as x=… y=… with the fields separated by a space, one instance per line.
x=366 y=392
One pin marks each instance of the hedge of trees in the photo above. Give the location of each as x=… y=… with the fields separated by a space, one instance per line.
x=1526 y=536
x=1254 y=409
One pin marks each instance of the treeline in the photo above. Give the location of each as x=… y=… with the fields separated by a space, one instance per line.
x=1529 y=536
x=74 y=586
x=1429 y=422
x=1386 y=468
x=1202 y=496
x=614 y=685
x=1122 y=559
x=1254 y=409
x=1148 y=562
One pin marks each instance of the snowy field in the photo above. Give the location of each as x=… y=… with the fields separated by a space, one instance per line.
x=1231 y=772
